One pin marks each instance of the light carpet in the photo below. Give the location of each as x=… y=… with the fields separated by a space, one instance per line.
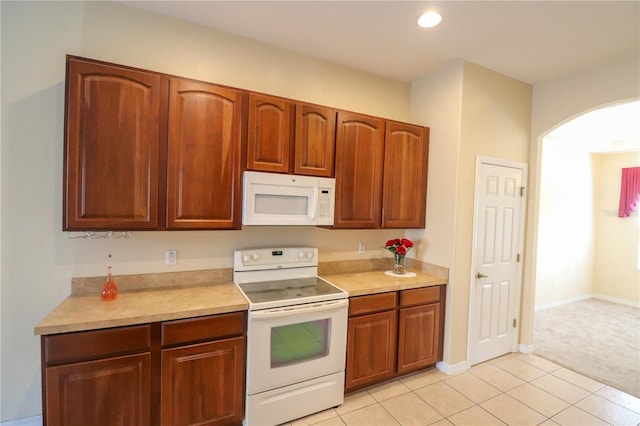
x=596 y=338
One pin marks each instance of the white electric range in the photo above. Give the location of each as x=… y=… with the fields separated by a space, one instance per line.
x=297 y=332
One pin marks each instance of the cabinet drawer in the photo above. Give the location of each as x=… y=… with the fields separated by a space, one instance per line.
x=203 y=328
x=95 y=344
x=420 y=296
x=372 y=303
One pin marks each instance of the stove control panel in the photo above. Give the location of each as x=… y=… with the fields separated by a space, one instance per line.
x=274 y=258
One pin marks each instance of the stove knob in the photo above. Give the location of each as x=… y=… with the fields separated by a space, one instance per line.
x=300 y=254
x=255 y=256
x=309 y=255
x=245 y=258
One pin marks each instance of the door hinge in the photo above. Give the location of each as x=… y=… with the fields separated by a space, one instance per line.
x=515 y=322
x=518 y=258
x=522 y=191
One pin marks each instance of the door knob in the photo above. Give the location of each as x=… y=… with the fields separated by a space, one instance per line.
x=480 y=275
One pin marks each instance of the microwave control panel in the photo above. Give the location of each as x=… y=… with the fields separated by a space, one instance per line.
x=325 y=198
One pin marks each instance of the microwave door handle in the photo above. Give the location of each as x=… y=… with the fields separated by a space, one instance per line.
x=314 y=200
x=295 y=310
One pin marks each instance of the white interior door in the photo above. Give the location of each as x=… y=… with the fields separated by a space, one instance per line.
x=495 y=293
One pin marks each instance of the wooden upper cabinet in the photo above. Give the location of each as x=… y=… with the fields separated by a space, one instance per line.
x=405 y=176
x=203 y=156
x=285 y=136
x=359 y=162
x=112 y=139
x=315 y=140
x=270 y=128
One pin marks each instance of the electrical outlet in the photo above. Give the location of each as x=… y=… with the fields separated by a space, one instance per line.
x=362 y=247
x=170 y=257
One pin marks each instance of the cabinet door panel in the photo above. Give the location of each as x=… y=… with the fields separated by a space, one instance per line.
x=203 y=176
x=405 y=176
x=269 y=136
x=359 y=160
x=418 y=337
x=315 y=140
x=109 y=392
x=111 y=147
x=371 y=349
x=203 y=384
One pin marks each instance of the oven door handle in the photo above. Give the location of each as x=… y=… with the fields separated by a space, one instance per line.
x=299 y=309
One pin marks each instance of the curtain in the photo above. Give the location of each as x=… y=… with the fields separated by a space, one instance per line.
x=629 y=191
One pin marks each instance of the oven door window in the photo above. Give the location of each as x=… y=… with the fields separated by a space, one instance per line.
x=300 y=342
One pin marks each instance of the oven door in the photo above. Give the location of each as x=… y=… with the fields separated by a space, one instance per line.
x=295 y=343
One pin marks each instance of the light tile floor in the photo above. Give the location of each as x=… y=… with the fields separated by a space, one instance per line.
x=514 y=389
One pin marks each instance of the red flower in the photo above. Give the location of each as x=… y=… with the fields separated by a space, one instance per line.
x=407 y=243
x=399 y=246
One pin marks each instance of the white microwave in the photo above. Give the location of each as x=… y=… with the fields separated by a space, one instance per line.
x=279 y=199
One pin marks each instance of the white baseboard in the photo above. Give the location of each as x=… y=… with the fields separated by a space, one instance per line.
x=451 y=369
x=617 y=300
x=525 y=349
x=27 y=421
x=563 y=302
x=587 y=296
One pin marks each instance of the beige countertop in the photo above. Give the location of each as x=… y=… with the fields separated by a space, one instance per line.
x=149 y=298
x=89 y=312
x=371 y=282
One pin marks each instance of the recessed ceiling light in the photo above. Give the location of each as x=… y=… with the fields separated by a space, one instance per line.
x=429 y=19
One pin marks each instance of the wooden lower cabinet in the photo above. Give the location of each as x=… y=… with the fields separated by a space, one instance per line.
x=202 y=384
x=376 y=333
x=418 y=337
x=183 y=372
x=393 y=333
x=109 y=392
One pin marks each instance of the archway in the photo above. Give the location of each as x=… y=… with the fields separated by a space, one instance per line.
x=579 y=183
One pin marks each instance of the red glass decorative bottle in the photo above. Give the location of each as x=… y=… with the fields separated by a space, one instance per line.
x=109 y=290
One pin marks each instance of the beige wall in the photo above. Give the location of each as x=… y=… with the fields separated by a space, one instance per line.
x=566 y=225
x=472 y=111
x=616 y=266
x=436 y=99
x=38 y=260
x=496 y=120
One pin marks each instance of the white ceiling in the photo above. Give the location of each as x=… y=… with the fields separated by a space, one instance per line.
x=531 y=41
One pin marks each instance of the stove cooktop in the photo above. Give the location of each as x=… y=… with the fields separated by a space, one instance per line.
x=288 y=290
x=278 y=277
